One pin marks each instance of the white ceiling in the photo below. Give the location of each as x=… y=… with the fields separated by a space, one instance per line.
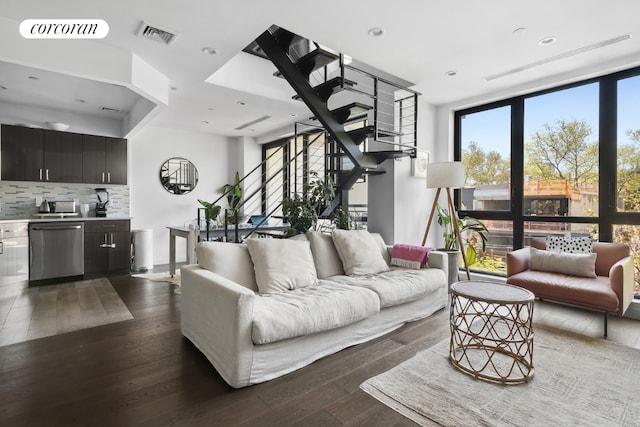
x=422 y=41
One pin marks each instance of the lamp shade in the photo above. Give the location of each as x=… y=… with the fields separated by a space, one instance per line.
x=445 y=175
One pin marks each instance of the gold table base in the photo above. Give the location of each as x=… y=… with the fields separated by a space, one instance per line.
x=492 y=331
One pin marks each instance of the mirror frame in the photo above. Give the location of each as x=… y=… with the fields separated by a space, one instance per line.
x=178 y=176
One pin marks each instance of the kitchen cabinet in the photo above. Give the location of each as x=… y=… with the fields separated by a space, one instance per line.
x=104 y=160
x=22 y=153
x=62 y=157
x=107 y=247
x=40 y=155
x=30 y=154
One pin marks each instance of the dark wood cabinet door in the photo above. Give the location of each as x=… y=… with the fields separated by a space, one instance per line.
x=62 y=156
x=120 y=255
x=96 y=258
x=22 y=153
x=93 y=159
x=116 y=160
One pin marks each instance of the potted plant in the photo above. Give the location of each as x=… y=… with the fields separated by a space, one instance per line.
x=303 y=211
x=234 y=197
x=211 y=212
x=470 y=228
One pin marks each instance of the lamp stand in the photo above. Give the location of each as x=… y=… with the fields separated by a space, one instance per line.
x=456 y=228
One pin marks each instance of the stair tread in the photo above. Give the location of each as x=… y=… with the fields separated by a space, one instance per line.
x=334 y=83
x=315 y=59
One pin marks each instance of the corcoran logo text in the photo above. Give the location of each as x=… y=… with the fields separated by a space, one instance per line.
x=64 y=29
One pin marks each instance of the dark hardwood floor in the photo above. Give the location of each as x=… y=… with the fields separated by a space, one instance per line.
x=142 y=372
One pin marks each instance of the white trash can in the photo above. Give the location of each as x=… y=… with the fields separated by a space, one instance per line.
x=142 y=250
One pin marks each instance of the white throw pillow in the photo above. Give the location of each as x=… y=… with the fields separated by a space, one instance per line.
x=359 y=252
x=282 y=264
x=583 y=265
x=230 y=260
x=325 y=255
x=572 y=245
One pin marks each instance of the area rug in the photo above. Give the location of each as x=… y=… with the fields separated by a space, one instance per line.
x=578 y=381
x=42 y=311
x=160 y=277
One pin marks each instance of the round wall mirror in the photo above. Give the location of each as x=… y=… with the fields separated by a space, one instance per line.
x=178 y=176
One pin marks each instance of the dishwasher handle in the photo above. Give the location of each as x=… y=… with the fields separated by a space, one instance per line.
x=56 y=227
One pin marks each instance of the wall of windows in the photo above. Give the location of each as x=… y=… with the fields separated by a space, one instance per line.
x=564 y=161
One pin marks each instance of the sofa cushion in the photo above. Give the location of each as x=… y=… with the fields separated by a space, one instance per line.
x=595 y=293
x=572 y=245
x=309 y=310
x=230 y=260
x=282 y=264
x=359 y=252
x=325 y=255
x=583 y=265
x=398 y=285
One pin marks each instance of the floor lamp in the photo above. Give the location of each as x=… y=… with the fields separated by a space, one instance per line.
x=446 y=175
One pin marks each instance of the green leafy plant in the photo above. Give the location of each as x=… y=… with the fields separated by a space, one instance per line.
x=211 y=212
x=470 y=230
x=342 y=219
x=303 y=211
x=234 y=197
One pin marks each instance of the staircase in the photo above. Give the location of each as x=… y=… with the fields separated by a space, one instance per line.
x=359 y=121
x=321 y=78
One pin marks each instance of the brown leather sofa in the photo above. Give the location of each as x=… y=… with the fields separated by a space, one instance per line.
x=610 y=292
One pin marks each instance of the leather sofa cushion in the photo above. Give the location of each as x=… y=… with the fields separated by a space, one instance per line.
x=310 y=310
x=398 y=285
x=595 y=293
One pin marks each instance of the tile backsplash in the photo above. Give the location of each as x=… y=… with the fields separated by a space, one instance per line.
x=18 y=198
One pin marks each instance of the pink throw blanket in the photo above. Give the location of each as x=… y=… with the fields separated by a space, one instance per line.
x=411 y=256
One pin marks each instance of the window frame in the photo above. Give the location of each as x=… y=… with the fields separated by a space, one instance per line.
x=608 y=216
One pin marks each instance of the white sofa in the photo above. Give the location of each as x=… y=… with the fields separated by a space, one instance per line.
x=252 y=335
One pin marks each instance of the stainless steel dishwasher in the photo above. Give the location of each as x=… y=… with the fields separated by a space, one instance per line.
x=56 y=250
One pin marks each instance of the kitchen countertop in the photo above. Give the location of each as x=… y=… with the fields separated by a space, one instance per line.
x=67 y=218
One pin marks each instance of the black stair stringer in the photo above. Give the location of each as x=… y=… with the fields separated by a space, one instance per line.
x=299 y=83
x=344 y=184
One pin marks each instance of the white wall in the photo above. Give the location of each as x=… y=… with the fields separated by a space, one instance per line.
x=152 y=207
x=399 y=203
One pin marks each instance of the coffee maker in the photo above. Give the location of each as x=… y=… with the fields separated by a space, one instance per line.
x=103 y=201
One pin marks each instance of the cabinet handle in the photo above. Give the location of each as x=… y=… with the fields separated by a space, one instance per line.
x=47 y=174
x=40 y=174
x=102 y=177
x=106 y=243
x=109 y=177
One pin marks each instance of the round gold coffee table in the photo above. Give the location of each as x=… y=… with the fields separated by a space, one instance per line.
x=492 y=331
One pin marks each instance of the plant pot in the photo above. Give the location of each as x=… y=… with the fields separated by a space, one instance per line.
x=452 y=265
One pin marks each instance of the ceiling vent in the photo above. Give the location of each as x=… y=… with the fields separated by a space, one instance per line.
x=156 y=34
x=560 y=56
x=110 y=110
x=253 y=122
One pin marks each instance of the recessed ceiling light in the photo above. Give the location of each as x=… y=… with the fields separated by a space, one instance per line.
x=242 y=103
x=209 y=50
x=34 y=78
x=80 y=100
x=451 y=73
x=547 y=40
x=376 y=32
x=519 y=31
